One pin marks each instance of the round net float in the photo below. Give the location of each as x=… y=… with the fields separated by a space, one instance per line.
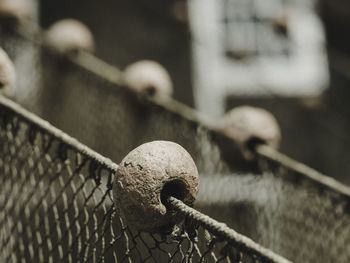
x=146 y=177
x=248 y=126
x=148 y=78
x=15 y=11
x=7 y=75
x=69 y=35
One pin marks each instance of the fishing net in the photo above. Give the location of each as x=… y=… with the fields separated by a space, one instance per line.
x=113 y=121
x=56 y=205
x=277 y=207
x=25 y=56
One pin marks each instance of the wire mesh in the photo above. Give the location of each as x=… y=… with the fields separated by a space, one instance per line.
x=56 y=205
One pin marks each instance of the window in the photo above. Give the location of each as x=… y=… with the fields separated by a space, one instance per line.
x=255 y=48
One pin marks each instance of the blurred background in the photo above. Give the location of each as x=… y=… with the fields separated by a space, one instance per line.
x=290 y=57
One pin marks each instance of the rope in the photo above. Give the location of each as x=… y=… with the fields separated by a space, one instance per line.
x=223 y=231
x=270 y=153
x=219 y=229
x=98 y=67
x=81 y=58
x=114 y=75
x=111 y=74
x=45 y=126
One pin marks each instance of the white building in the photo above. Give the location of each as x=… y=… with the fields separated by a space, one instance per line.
x=254 y=48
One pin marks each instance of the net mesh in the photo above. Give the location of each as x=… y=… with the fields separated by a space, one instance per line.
x=279 y=208
x=56 y=205
x=90 y=108
x=283 y=211
x=56 y=202
x=310 y=221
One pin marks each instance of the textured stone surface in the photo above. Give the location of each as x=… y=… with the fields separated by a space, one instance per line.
x=148 y=78
x=247 y=125
x=69 y=35
x=142 y=176
x=7 y=75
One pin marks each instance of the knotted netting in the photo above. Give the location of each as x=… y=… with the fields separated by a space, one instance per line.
x=90 y=107
x=276 y=205
x=56 y=206
x=296 y=212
